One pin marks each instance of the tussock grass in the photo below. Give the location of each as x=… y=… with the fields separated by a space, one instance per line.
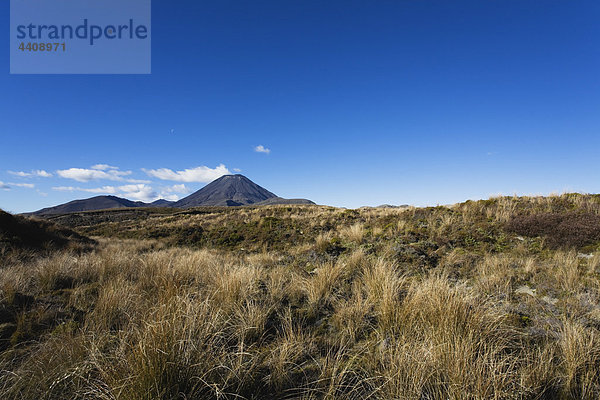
x=436 y=303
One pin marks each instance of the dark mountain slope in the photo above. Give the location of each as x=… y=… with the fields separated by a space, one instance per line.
x=228 y=190
x=160 y=203
x=91 y=204
x=279 y=200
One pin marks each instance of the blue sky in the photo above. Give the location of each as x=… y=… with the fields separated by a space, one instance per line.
x=359 y=102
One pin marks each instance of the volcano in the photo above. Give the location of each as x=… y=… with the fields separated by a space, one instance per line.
x=228 y=190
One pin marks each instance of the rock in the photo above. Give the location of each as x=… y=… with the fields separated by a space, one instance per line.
x=525 y=290
x=384 y=344
x=550 y=300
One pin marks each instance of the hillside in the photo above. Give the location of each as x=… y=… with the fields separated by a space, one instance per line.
x=279 y=226
x=21 y=234
x=485 y=299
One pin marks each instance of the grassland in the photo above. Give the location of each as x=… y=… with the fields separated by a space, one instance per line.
x=494 y=299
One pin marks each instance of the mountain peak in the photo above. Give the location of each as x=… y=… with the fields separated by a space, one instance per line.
x=228 y=190
x=230 y=176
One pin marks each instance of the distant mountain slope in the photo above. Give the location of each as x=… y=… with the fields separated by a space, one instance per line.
x=161 y=203
x=279 y=200
x=91 y=204
x=228 y=190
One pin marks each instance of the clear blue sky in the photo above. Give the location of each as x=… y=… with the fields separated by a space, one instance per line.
x=360 y=103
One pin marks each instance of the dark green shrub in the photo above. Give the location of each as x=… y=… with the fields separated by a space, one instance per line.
x=572 y=229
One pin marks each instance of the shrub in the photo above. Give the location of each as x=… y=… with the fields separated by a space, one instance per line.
x=572 y=229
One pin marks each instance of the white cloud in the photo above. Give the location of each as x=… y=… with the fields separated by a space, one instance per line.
x=137 y=181
x=4 y=186
x=141 y=192
x=35 y=173
x=198 y=174
x=237 y=170
x=169 y=192
x=41 y=173
x=262 y=149
x=137 y=192
x=131 y=188
x=24 y=185
x=169 y=197
x=177 y=189
x=86 y=175
x=103 y=167
x=103 y=189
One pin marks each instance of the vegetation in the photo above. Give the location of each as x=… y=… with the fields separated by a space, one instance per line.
x=22 y=237
x=480 y=300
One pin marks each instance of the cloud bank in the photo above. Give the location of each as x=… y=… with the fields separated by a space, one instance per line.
x=9 y=185
x=24 y=185
x=140 y=192
x=103 y=167
x=98 y=172
x=135 y=189
x=198 y=174
x=35 y=173
x=86 y=175
x=103 y=190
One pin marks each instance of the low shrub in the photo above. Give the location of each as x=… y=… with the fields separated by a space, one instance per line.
x=572 y=229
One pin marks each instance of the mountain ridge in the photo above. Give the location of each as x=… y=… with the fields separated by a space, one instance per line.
x=227 y=191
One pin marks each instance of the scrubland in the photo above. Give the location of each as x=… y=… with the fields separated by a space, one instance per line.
x=495 y=299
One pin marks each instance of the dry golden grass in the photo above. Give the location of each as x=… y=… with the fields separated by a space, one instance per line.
x=354 y=233
x=437 y=303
